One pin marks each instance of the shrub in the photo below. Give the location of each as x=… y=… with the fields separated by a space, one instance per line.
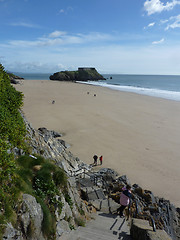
x=12 y=134
x=68 y=199
x=60 y=177
x=43 y=185
x=80 y=222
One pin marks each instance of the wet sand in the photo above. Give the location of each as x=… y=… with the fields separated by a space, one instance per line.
x=137 y=135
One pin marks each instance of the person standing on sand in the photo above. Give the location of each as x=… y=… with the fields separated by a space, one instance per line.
x=124 y=199
x=95 y=157
x=101 y=159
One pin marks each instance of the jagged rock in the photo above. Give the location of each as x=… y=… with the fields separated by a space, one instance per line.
x=124 y=180
x=62 y=227
x=14 y=79
x=65 y=212
x=49 y=133
x=31 y=218
x=178 y=210
x=11 y=233
x=65 y=144
x=108 y=174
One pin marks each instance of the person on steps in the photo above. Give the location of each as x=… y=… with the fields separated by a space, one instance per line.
x=125 y=198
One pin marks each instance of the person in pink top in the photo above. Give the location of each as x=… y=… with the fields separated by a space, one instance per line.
x=124 y=199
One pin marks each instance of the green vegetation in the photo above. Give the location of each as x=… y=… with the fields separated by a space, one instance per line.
x=80 y=222
x=80 y=209
x=42 y=179
x=68 y=199
x=72 y=74
x=89 y=74
x=39 y=177
x=12 y=134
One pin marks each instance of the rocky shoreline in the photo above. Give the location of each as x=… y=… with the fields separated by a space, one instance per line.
x=14 y=78
x=89 y=191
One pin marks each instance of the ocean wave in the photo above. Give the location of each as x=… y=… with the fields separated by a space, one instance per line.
x=171 y=95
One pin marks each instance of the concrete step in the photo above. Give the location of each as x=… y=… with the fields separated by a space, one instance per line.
x=105 y=205
x=104 y=227
x=110 y=223
x=94 y=233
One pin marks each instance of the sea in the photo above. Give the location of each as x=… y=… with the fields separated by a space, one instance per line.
x=161 y=86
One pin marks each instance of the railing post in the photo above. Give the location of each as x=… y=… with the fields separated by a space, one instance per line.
x=153 y=224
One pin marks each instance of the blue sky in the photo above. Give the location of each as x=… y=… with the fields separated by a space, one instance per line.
x=115 y=36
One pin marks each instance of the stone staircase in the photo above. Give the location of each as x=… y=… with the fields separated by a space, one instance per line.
x=103 y=227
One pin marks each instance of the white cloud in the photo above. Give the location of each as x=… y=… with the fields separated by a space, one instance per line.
x=33 y=66
x=158 y=42
x=68 y=9
x=156 y=6
x=24 y=24
x=132 y=60
x=164 y=21
x=150 y=25
x=175 y=22
x=61 y=11
x=95 y=36
x=56 y=34
x=58 y=38
x=61 y=66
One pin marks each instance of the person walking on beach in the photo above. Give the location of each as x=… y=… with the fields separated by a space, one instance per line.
x=101 y=159
x=124 y=199
x=95 y=157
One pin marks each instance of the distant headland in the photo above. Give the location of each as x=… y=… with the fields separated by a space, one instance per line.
x=82 y=74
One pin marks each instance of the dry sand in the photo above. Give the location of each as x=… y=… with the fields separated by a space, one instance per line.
x=137 y=135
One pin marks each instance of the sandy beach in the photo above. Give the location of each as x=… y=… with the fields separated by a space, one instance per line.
x=137 y=135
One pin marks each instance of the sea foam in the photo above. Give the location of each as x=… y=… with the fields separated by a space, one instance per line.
x=171 y=95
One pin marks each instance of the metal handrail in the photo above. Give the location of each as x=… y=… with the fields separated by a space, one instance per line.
x=129 y=206
x=145 y=215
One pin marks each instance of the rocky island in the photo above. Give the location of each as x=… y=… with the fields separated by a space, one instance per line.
x=82 y=74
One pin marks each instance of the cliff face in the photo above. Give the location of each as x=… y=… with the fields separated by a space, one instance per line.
x=30 y=214
x=83 y=74
x=93 y=189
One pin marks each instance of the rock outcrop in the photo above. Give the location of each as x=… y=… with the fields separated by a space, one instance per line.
x=83 y=74
x=14 y=79
x=141 y=230
x=29 y=212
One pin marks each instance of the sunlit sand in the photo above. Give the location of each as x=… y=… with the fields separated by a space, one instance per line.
x=137 y=135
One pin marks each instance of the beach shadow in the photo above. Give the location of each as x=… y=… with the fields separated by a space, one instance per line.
x=109 y=215
x=124 y=236
x=95 y=165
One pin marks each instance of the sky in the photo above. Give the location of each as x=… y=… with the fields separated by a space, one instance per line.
x=114 y=36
